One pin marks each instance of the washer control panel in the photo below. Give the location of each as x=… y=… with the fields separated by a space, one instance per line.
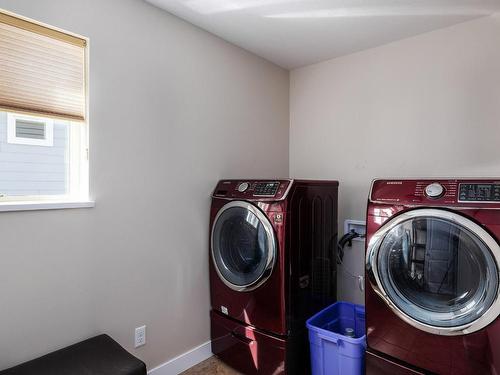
x=258 y=190
x=266 y=189
x=438 y=192
x=479 y=192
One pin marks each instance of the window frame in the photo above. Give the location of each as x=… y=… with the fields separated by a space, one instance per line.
x=78 y=186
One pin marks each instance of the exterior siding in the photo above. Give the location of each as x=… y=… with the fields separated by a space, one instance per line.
x=34 y=170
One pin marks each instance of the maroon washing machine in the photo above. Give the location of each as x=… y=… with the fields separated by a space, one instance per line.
x=432 y=291
x=272 y=266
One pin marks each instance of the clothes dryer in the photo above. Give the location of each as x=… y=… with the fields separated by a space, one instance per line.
x=272 y=266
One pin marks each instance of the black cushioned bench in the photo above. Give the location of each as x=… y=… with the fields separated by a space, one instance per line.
x=100 y=355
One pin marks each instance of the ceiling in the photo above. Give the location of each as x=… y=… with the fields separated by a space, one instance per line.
x=294 y=33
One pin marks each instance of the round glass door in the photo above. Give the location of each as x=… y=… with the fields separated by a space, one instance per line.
x=437 y=270
x=243 y=246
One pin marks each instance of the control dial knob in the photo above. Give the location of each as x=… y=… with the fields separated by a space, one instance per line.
x=434 y=190
x=243 y=187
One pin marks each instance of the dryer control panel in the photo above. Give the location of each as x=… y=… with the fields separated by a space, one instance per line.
x=438 y=192
x=266 y=189
x=252 y=189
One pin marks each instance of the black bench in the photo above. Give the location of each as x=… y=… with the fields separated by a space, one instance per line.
x=100 y=355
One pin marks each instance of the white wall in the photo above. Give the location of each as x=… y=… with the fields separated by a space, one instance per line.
x=423 y=106
x=172 y=110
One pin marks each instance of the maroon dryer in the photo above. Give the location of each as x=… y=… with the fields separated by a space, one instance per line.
x=272 y=266
x=432 y=291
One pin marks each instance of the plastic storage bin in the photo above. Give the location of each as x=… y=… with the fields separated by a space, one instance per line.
x=332 y=352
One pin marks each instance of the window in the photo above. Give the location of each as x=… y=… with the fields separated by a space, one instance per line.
x=43 y=107
x=42 y=158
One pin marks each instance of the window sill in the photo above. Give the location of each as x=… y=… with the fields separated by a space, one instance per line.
x=44 y=205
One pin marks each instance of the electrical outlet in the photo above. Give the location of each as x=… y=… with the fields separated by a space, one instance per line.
x=140 y=336
x=357 y=225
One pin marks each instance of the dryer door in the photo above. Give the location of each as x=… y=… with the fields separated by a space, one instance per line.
x=437 y=270
x=243 y=246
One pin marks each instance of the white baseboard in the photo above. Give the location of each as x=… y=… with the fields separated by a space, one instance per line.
x=184 y=361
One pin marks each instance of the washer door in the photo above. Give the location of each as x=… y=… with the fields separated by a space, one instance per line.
x=437 y=270
x=243 y=246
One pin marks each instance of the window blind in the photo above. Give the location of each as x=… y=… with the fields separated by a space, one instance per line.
x=42 y=70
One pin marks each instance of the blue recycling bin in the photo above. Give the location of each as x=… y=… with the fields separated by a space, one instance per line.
x=338 y=340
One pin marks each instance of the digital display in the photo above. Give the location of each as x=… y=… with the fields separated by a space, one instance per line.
x=267 y=189
x=479 y=193
x=484 y=190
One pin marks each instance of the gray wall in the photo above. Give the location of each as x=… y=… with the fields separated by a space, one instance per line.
x=423 y=106
x=172 y=110
x=31 y=169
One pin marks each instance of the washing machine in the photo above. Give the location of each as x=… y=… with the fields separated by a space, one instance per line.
x=432 y=290
x=272 y=266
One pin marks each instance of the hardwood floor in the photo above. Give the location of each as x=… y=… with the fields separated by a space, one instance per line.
x=211 y=366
